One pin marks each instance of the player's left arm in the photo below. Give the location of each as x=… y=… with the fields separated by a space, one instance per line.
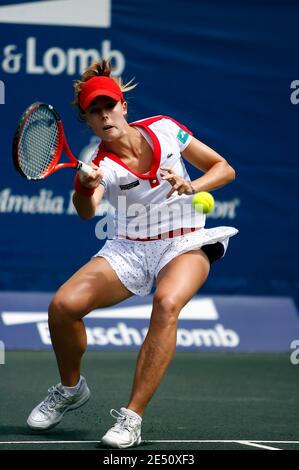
x=217 y=171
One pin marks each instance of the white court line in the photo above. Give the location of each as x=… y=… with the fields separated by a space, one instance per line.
x=254 y=444
x=49 y=442
x=227 y=441
x=203 y=441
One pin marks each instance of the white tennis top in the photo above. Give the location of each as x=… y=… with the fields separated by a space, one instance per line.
x=142 y=209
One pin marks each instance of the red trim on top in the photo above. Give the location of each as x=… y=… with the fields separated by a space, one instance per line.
x=102 y=153
x=154 y=182
x=156 y=152
x=148 y=121
x=178 y=232
x=152 y=174
x=145 y=123
x=151 y=120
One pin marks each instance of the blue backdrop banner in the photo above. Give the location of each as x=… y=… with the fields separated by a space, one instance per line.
x=220 y=323
x=226 y=69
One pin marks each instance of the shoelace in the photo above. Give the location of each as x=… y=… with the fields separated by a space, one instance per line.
x=123 y=421
x=55 y=396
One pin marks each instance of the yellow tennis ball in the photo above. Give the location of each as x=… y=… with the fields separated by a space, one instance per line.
x=203 y=202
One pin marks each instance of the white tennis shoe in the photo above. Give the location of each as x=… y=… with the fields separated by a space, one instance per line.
x=126 y=432
x=51 y=410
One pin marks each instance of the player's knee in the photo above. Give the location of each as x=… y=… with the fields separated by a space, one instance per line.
x=62 y=309
x=166 y=310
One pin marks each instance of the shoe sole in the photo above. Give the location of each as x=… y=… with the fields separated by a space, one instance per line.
x=115 y=445
x=70 y=408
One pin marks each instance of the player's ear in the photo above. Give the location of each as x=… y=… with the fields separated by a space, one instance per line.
x=125 y=108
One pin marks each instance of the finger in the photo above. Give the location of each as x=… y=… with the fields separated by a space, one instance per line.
x=181 y=188
x=173 y=191
x=168 y=177
x=96 y=172
x=88 y=178
x=166 y=168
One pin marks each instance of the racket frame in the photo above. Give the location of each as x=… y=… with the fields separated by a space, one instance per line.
x=62 y=146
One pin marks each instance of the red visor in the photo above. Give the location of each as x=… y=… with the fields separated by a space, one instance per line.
x=99 y=86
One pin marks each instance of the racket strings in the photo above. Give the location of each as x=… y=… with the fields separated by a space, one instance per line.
x=38 y=143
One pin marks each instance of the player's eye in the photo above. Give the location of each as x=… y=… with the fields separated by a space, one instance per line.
x=110 y=105
x=94 y=110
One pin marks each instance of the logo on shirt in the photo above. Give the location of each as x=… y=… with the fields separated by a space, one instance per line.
x=129 y=185
x=182 y=136
x=169 y=155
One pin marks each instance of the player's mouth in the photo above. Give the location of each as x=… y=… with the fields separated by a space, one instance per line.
x=107 y=128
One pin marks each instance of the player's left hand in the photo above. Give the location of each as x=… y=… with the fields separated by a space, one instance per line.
x=178 y=183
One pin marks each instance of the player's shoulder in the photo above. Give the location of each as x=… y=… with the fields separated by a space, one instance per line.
x=160 y=118
x=161 y=121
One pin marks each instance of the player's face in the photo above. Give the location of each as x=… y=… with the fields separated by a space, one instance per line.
x=106 y=117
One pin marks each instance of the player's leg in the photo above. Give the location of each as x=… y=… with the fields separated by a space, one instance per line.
x=177 y=282
x=95 y=285
x=175 y=287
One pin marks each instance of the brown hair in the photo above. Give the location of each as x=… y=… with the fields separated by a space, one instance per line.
x=99 y=69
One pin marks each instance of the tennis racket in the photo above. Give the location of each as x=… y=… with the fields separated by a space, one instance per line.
x=38 y=144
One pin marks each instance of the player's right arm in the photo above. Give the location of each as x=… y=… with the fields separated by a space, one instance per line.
x=86 y=204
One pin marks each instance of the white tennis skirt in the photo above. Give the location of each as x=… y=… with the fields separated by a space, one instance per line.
x=138 y=263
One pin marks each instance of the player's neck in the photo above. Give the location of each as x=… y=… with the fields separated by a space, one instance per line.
x=129 y=143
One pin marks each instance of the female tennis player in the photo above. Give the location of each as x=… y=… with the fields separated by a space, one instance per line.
x=159 y=241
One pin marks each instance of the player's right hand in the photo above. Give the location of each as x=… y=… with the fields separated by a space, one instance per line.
x=93 y=179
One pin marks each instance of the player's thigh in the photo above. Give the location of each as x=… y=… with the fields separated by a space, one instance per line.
x=182 y=277
x=95 y=285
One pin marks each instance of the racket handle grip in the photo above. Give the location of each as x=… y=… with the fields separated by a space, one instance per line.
x=83 y=168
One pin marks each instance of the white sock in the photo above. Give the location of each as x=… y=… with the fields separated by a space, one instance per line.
x=73 y=389
x=132 y=413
